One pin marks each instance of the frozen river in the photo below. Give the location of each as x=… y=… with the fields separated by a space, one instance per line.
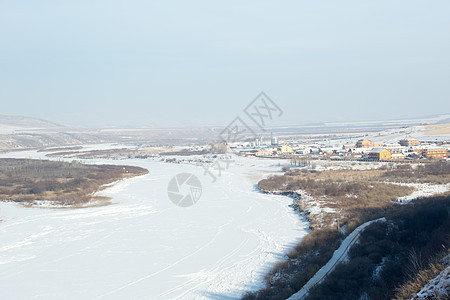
x=142 y=246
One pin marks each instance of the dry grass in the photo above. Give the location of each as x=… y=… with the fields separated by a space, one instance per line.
x=110 y=153
x=419 y=280
x=356 y=197
x=397 y=256
x=343 y=191
x=58 y=149
x=437 y=129
x=437 y=126
x=350 y=189
x=28 y=180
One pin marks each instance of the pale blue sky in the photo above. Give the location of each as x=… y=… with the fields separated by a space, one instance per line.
x=195 y=63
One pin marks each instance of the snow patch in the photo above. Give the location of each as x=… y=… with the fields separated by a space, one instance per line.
x=436 y=288
x=423 y=190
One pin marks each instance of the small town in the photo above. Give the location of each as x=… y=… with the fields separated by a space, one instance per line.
x=362 y=150
x=250 y=150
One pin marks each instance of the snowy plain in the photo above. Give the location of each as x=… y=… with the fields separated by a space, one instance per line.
x=142 y=246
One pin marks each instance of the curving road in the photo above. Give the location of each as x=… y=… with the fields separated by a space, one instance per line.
x=338 y=256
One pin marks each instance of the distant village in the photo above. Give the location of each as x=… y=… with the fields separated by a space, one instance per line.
x=363 y=150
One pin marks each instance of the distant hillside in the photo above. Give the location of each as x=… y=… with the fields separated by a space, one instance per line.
x=22 y=122
x=436 y=119
x=360 y=126
x=19 y=132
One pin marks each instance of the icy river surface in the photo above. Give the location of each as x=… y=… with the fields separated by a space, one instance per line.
x=142 y=246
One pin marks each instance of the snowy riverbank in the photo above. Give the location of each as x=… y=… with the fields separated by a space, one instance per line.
x=143 y=246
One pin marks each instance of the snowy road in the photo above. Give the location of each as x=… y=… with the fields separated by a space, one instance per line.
x=143 y=246
x=338 y=256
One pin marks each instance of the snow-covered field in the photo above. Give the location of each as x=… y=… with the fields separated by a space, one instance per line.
x=143 y=246
x=424 y=190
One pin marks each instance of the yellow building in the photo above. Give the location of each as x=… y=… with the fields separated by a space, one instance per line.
x=286 y=149
x=263 y=152
x=408 y=143
x=379 y=154
x=435 y=152
x=364 y=143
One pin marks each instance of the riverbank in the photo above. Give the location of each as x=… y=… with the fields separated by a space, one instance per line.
x=145 y=246
x=41 y=183
x=336 y=202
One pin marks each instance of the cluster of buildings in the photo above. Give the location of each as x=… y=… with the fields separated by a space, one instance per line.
x=260 y=148
x=363 y=149
x=275 y=151
x=405 y=149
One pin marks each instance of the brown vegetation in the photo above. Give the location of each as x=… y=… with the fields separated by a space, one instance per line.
x=56 y=149
x=356 y=197
x=27 y=180
x=344 y=191
x=436 y=172
x=393 y=260
x=437 y=129
x=109 y=153
x=347 y=191
x=185 y=152
x=421 y=278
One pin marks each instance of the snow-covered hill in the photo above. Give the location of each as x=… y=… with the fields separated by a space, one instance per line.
x=9 y=123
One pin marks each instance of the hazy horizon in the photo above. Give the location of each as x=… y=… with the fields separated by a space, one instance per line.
x=197 y=64
x=430 y=119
